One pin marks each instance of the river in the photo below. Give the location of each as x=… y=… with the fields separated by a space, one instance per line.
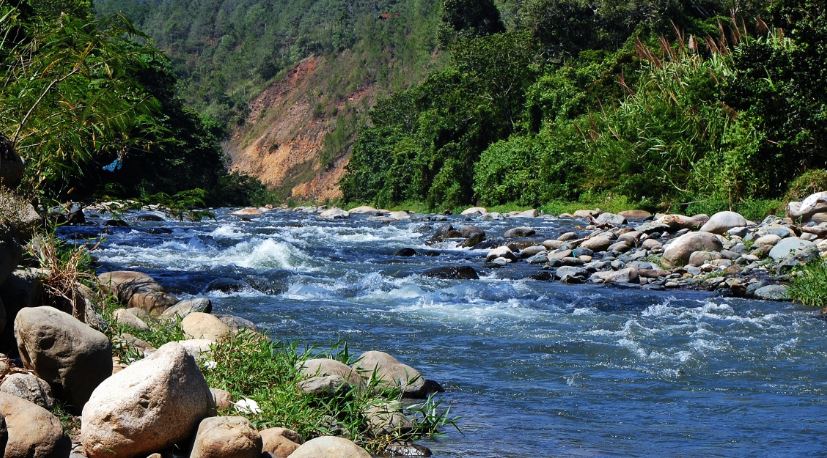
x=532 y=368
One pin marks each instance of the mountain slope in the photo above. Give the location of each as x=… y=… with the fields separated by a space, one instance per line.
x=291 y=79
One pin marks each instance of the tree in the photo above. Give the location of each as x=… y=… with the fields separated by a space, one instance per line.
x=469 y=18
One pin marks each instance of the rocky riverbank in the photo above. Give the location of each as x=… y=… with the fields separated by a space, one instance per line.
x=77 y=379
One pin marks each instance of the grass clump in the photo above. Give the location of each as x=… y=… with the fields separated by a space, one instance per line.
x=809 y=286
x=250 y=366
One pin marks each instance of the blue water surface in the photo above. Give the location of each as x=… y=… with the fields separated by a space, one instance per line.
x=532 y=368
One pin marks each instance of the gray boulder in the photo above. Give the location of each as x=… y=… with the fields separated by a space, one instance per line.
x=30 y=388
x=610 y=219
x=391 y=373
x=772 y=293
x=185 y=307
x=794 y=249
x=68 y=354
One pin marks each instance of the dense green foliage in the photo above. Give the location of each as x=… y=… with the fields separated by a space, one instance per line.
x=226 y=51
x=667 y=104
x=80 y=93
x=809 y=286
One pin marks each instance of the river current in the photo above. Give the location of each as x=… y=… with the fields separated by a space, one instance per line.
x=532 y=368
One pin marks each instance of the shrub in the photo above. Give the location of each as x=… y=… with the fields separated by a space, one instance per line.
x=810 y=182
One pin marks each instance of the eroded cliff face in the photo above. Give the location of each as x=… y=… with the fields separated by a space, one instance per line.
x=282 y=140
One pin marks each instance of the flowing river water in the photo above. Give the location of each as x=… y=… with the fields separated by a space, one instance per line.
x=532 y=368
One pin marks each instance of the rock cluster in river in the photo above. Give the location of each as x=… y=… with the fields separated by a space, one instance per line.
x=724 y=252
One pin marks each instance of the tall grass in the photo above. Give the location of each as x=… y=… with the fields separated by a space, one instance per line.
x=809 y=286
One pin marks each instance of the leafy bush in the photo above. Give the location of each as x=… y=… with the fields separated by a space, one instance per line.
x=809 y=182
x=809 y=286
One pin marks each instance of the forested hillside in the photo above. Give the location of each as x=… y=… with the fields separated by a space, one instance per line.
x=291 y=120
x=709 y=104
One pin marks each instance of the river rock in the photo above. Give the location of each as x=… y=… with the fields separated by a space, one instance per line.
x=700 y=258
x=150 y=405
x=199 y=325
x=127 y=318
x=329 y=367
x=247 y=212
x=609 y=219
x=677 y=252
x=236 y=323
x=188 y=306
x=29 y=387
x=334 y=213
x=226 y=437
x=196 y=347
x=33 y=432
x=571 y=274
x=136 y=289
x=366 y=210
x=279 y=442
x=330 y=447
x=519 y=232
x=68 y=354
x=474 y=211
x=627 y=275
x=532 y=213
x=598 y=243
x=814 y=203
x=405 y=252
x=796 y=249
x=635 y=214
x=678 y=222
x=772 y=293
x=452 y=273
x=387 y=419
x=500 y=252
x=722 y=222
x=221 y=399
x=391 y=373
x=769 y=240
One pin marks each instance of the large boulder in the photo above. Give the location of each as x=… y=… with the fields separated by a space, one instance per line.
x=33 y=432
x=279 y=442
x=29 y=387
x=721 y=222
x=795 y=249
x=150 y=405
x=330 y=447
x=137 y=289
x=68 y=354
x=391 y=373
x=334 y=213
x=199 y=325
x=677 y=252
x=452 y=273
x=225 y=437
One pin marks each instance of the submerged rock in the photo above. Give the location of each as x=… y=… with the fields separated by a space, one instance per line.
x=452 y=273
